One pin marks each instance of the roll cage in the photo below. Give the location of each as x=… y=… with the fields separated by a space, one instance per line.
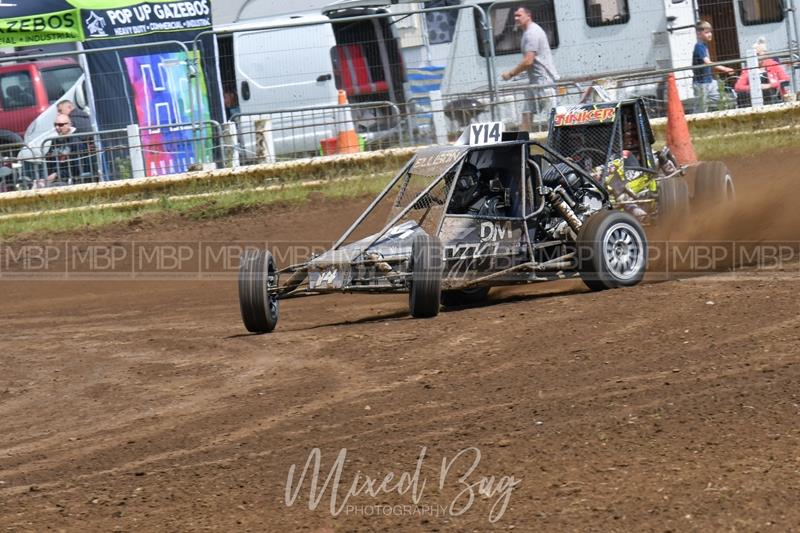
x=600 y=127
x=525 y=183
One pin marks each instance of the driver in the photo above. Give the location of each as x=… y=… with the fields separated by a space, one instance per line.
x=478 y=192
x=630 y=143
x=467 y=189
x=493 y=203
x=624 y=179
x=575 y=143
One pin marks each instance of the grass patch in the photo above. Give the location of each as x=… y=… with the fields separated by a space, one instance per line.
x=214 y=182
x=746 y=144
x=70 y=221
x=209 y=205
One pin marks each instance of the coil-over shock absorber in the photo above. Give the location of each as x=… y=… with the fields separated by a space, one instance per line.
x=557 y=198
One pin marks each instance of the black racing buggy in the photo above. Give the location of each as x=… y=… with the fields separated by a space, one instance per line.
x=613 y=142
x=495 y=209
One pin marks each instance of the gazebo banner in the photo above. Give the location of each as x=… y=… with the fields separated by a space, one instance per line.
x=40 y=22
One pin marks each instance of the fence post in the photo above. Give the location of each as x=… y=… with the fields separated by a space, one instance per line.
x=230 y=155
x=525 y=124
x=439 y=124
x=135 y=149
x=265 y=147
x=754 y=77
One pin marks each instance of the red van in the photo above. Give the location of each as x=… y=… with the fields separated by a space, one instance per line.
x=29 y=88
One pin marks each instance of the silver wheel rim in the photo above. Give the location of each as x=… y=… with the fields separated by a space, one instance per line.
x=270 y=285
x=730 y=191
x=623 y=251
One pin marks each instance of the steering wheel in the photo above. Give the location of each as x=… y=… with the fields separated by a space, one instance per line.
x=580 y=154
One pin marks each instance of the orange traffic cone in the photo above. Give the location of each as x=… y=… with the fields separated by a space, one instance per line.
x=678 y=138
x=347 y=139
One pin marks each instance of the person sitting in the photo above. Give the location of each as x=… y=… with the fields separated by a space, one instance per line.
x=65 y=154
x=478 y=193
x=82 y=123
x=575 y=145
x=774 y=78
x=494 y=204
x=631 y=148
x=80 y=119
x=467 y=189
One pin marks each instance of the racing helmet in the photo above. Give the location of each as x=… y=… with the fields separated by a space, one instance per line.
x=467 y=189
x=630 y=133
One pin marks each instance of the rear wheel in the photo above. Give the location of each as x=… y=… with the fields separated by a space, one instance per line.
x=673 y=202
x=713 y=184
x=427 y=264
x=471 y=296
x=258 y=279
x=612 y=251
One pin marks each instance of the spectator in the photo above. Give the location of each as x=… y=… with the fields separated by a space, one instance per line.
x=230 y=101
x=537 y=60
x=705 y=86
x=774 y=78
x=64 y=158
x=79 y=118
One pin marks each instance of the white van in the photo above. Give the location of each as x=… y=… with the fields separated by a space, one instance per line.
x=291 y=72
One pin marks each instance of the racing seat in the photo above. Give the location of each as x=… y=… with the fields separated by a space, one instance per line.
x=355 y=73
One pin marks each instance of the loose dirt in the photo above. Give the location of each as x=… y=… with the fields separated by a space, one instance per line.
x=143 y=405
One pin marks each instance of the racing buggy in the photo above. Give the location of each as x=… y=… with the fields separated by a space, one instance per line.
x=613 y=142
x=493 y=209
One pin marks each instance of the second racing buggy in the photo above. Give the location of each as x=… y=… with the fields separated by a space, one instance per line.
x=493 y=209
x=613 y=142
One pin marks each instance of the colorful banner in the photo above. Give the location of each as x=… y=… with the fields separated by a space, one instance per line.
x=147 y=18
x=162 y=95
x=41 y=29
x=41 y=22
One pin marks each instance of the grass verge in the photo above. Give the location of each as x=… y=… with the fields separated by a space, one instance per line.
x=201 y=206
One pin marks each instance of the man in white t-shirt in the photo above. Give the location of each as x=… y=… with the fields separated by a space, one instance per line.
x=537 y=60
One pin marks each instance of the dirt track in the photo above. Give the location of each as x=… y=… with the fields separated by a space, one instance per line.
x=143 y=405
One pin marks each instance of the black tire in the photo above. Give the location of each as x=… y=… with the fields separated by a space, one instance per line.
x=427 y=263
x=259 y=305
x=713 y=185
x=673 y=202
x=462 y=297
x=612 y=251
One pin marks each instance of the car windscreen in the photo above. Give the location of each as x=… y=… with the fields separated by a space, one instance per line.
x=58 y=81
x=16 y=90
x=590 y=143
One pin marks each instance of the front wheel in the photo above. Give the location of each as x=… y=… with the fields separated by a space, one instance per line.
x=258 y=302
x=612 y=251
x=427 y=264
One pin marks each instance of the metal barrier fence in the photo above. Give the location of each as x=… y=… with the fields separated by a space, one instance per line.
x=107 y=155
x=279 y=134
